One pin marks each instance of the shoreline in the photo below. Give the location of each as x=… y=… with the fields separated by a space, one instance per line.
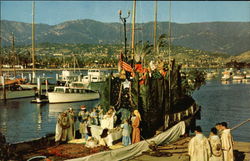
x=53 y=69
x=85 y=68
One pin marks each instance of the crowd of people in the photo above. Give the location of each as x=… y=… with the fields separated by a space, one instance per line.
x=218 y=147
x=112 y=119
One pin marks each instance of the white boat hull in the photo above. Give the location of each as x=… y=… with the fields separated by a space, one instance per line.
x=238 y=77
x=55 y=97
x=33 y=86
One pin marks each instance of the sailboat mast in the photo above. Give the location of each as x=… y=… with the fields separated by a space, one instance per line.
x=13 y=54
x=133 y=30
x=33 y=36
x=155 y=28
x=169 y=50
x=1 y=73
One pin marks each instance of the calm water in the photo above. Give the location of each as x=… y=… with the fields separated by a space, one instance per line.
x=21 y=121
x=229 y=103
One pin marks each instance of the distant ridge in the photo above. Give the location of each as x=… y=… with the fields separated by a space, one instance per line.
x=226 y=37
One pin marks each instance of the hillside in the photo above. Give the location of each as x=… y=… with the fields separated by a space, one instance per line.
x=244 y=57
x=224 y=37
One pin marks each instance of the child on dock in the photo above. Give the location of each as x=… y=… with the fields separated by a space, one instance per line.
x=126 y=140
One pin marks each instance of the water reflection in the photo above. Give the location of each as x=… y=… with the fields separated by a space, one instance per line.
x=21 y=120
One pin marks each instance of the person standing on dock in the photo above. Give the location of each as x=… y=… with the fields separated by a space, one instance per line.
x=126 y=131
x=100 y=114
x=72 y=119
x=94 y=117
x=136 y=130
x=215 y=144
x=219 y=129
x=83 y=117
x=62 y=127
x=198 y=147
x=227 y=142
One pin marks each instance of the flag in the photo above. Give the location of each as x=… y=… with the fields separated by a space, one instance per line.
x=126 y=66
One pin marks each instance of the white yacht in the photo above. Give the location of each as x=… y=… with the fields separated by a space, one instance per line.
x=72 y=93
x=94 y=75
x=67 y=76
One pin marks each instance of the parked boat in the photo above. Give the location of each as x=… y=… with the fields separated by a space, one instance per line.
x=210 y=75
x=15 y=94
x=226 y=76
x=10 y=90
x=238 y=77
x=247 y=76
x=63 y=94
x=44 y=84
x=94 y=75
x=67 y=76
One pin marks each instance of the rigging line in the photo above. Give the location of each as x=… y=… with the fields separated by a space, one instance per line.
x=169 y=50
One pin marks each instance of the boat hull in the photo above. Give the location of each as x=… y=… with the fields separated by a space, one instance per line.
x=17 y=94
x=33 y=86
x=55 y=97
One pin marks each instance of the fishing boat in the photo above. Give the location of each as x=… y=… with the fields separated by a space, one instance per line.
x=63 y=94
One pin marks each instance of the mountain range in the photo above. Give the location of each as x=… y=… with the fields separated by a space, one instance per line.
x=225 y=37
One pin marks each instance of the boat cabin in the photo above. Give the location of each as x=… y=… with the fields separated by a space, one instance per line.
x=72 y=90
x=94 y=75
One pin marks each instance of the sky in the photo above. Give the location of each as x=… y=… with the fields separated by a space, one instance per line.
x=55 y=12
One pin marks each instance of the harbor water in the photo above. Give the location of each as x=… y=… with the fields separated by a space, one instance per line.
x=21 y=120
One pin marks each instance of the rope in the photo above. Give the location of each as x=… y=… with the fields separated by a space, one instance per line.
x=118 y=103
x=130 y=97
x=240 y=124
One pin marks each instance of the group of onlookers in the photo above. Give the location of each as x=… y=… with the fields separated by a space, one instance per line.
x=65 y=127
x=218 y=147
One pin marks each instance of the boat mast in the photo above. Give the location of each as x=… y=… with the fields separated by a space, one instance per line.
x=1 y=73
x=13 y=54
x=155 y=28
x=33 y=39
x=133 y=31
x=169 y=51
